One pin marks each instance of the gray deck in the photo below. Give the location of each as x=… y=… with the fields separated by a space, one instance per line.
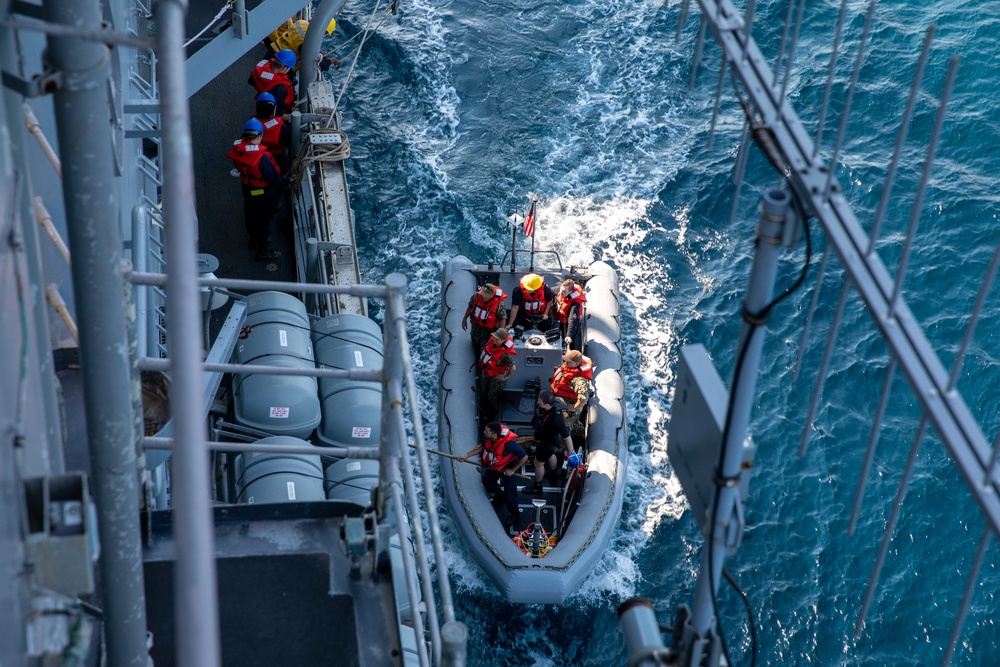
x=218 y=112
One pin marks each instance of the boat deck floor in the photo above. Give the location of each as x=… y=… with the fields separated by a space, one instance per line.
x=517 y=409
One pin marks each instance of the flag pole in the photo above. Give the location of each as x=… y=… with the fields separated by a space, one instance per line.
x=513 y=243
x=532 y=267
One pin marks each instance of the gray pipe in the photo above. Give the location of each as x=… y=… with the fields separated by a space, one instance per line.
x=140 y=256
x=195 y=600
x=309 y=52
x=702 y=624
x=296 y=129
x=84 y=135
x=642 y=632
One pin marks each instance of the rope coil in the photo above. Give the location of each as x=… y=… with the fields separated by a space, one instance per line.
x=524 y=542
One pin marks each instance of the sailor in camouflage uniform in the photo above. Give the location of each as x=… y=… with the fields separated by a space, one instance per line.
x=571 y=382
x=496 y=363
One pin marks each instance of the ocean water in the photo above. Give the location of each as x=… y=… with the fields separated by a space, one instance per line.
x=458 y=111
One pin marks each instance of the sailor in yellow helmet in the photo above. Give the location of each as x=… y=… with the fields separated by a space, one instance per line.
x=532 y=300
x=292 y=33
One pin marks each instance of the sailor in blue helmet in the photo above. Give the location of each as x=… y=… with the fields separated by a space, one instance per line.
x=272 y=76
x=262 y=184
x=277 y=134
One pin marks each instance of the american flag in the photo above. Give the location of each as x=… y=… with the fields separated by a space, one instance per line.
x=529 y=222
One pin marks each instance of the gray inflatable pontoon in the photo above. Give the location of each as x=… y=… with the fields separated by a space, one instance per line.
x=579 y=520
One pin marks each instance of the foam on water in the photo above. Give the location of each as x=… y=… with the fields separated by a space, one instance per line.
x=581 y=228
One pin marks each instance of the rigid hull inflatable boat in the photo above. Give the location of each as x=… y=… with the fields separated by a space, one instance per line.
x=561 y=531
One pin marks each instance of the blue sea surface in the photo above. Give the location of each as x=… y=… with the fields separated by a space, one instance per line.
x=458 y=111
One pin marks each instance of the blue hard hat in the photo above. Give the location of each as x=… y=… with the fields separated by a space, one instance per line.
x=286 y=57
x=266 y=97
x=253 y=125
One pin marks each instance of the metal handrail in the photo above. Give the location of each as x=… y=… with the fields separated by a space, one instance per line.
x=392 y=452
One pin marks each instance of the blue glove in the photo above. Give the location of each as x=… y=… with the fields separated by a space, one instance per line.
x=574 y=460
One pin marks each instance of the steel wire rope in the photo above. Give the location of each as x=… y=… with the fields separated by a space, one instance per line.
x=319 y=334
x=229 y=3
x=287 y=354
x=333 y=484
x=357 y=54
x=746 y=602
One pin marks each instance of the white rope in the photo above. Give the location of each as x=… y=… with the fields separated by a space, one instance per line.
x=357 y=54
x=229 y=3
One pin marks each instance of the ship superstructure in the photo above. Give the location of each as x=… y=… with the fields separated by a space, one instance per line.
x=265 y=510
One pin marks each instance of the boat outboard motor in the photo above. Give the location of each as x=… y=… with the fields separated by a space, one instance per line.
x=537 y=538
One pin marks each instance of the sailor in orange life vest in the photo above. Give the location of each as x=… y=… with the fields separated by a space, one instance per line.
x=277 y=134
x=532 y=300
x=570 y=300
x=261 y=184
x=496 y=364
x=502 y=457
x=571 y=382
x=487 y=312
x=271 y=76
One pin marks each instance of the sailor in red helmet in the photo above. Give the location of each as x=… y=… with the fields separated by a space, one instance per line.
x=496 y=364
x=487 y=312
x=261 y=183
x=571 y=382
x=532 y=300
x=570 y=302
x=271 y=76
x=502 y=457
x=277 y=134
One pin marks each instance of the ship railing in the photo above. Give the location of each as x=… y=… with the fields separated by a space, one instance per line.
x=142 y=120
x=777 y=130
x=150 y=258
x=396 y=474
